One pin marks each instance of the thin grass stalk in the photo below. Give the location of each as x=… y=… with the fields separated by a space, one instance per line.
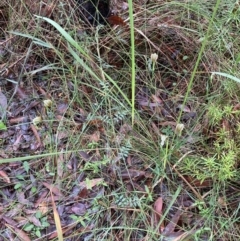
x=130 y=4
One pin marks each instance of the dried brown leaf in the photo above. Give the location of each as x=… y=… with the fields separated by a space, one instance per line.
x=62 y=108
x=20 y=233
x=4 y=176
x=156 y=99
x=40 y=199
x=57 y=220
x=83 y=193
x=34 y=220
x=132 y=174
x=84 y=155
x=21 y=198
x=16 y=144
x=60 y=165
x=61 y=135
x=43 y=207
x=226 y=125
x=172 y=224
x=53 y=189
x=3 y=104
x=116 y=20
x=95 y=137
x=9 y=221
x=21 y=93
x=64 y=230
x=14 y=210
x=35 y=132
x=158 y=206
x=236 y=107
x=222 y=201
x=79 y=209
x=17 y=120
x=89 y=184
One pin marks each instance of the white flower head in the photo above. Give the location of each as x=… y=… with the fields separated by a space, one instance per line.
x=37 y=120
x=163 y=139
x=47 y=103
x=154 y=58
x=179 y=128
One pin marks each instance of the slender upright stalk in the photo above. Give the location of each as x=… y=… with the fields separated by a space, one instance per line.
x=133 y=73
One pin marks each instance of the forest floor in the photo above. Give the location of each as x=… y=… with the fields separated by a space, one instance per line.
x=123 y=131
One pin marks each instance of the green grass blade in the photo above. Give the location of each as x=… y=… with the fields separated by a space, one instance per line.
x=34 y=39
x=226 y=75
x=65 y=34
x=130 y=4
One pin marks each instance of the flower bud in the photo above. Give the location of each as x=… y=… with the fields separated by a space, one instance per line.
x=47 y=103
x=154 y=58
x=37 y=120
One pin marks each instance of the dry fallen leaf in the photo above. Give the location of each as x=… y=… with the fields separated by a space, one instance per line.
x=4 y=176
x=3 y=104
x=84 y=155
x=57 y=220
x=158 y=205
x=36 y=134
x=21 y=93
x=79 y=209
x=43 y=208
x=20 y=233
x=65 y=229
x=95 y=137
x=53 y=189
x=17 y=142
x=132 y=174
x=169 y=229
x=89 y=184
x=9 y=221
x=40 y=199
x=21 y=198
x=34 y=220
x=60 y=165
x=116 y=20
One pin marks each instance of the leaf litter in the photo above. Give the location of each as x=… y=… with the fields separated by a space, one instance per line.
x=105 y=176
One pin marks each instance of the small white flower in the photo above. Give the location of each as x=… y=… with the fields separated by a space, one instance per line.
x=37 y=120
x=47 y=103
x=163 y=139
x=179 y=128
x=154 y=58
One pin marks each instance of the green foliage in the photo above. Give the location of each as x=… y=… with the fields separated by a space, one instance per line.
x=2 y=126
x=123 y=201
x=218 y=167
x=124 y=150
x=96 y=167
x=218 y=112
x=36 y=229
